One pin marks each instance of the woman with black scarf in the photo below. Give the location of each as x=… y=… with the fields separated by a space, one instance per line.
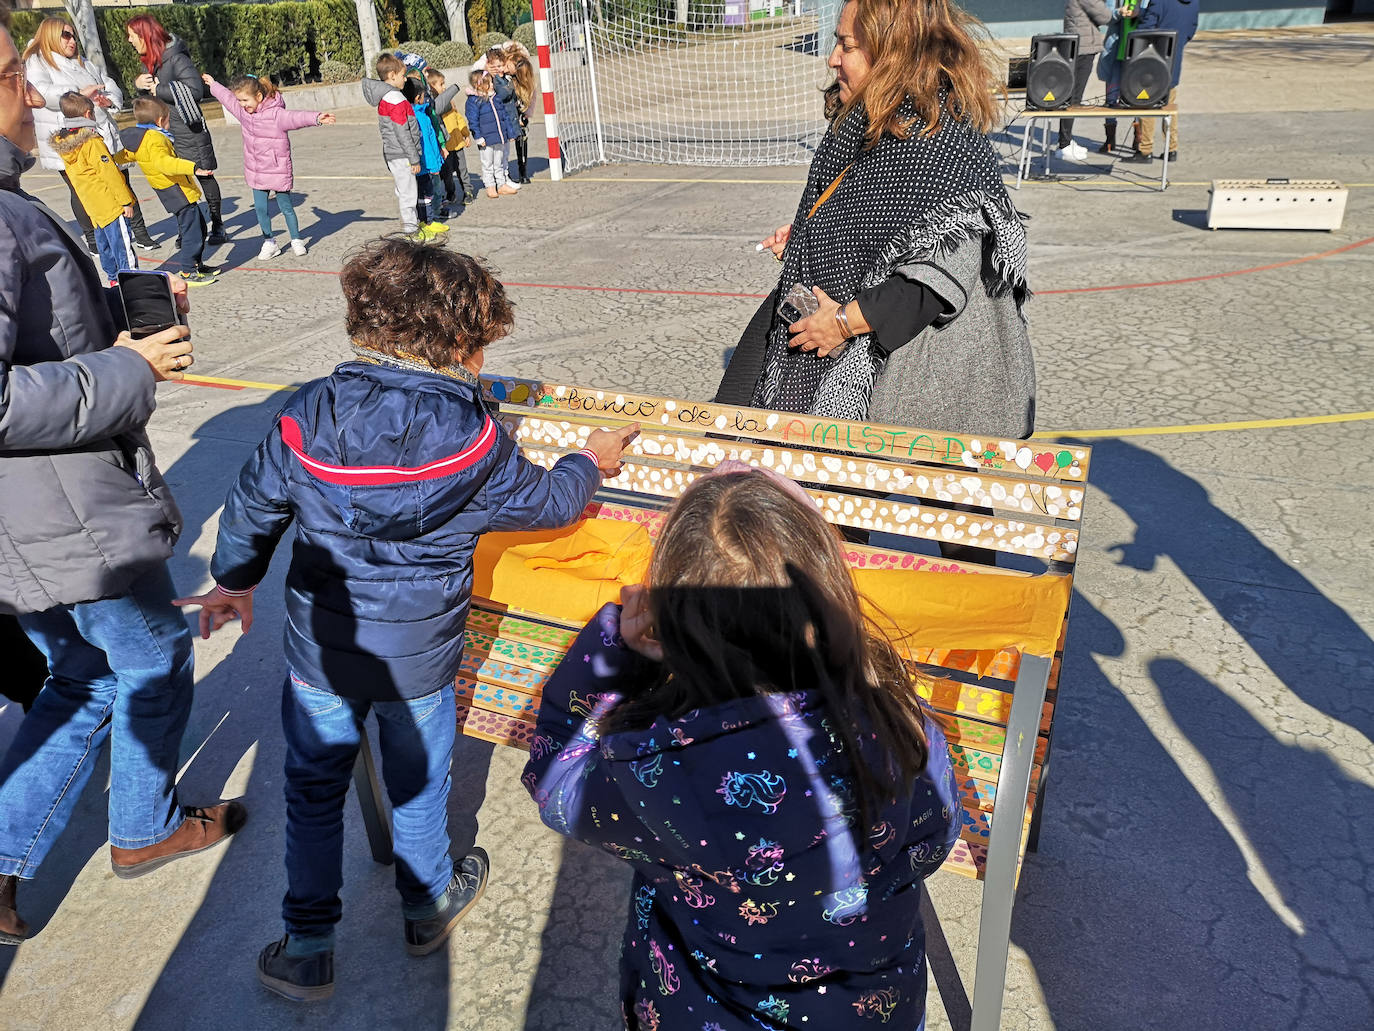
x=906 y=238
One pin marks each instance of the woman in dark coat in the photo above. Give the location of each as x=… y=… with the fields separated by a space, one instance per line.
x=174 y=79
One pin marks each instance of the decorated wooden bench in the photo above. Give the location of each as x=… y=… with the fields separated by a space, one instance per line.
x=988 y=639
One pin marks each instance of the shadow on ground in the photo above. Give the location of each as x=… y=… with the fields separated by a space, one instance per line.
x=1143 y=909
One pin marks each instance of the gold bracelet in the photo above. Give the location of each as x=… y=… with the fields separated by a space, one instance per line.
x=843 y=320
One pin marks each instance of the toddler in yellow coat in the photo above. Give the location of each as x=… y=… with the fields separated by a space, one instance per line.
x=98 y=183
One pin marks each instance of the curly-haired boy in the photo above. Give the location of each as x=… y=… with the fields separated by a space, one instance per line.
x=390 y=468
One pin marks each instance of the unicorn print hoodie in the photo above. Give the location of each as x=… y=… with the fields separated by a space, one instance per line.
x=758 y=901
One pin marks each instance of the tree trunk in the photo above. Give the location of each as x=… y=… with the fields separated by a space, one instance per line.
x=457 y=20
x=88 y=32
x=367 y=29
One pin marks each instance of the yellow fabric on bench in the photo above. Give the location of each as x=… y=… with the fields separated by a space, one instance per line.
x=570 y=573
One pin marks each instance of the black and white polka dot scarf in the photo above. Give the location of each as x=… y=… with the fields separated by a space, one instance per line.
x=902 y=201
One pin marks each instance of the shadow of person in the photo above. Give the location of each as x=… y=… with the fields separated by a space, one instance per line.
x=201 y=476
x=327 y=842
x=1300 y=813
x=1287 y=620
x=1137 y=912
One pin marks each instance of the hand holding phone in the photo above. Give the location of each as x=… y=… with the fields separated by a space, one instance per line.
x=150 y=305
x=798 y=304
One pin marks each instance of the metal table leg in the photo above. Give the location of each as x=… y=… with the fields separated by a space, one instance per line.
x=1021 y=158
x=1164 y=135
x=371 y=802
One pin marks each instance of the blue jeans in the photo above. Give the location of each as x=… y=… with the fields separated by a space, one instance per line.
x=322 y=738
x=284 y=205
x=116 y=245
x=122 y=665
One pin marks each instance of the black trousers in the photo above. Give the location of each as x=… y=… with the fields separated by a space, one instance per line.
x=454 y=173
x=1083 y=66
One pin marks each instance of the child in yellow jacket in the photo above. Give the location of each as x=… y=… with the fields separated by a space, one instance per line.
x=98 y=183
x=173 y=179
x=458 y=136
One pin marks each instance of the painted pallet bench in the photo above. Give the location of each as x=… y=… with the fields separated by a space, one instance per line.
x=996 y=706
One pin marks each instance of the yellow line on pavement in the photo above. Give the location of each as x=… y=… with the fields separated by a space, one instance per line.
x=1131 y=431
x=1209 y=427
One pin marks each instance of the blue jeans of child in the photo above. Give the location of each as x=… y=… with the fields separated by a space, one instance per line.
x=116 y=245
x=322 y=738
x=191 y=231
x=284 y=205
x=120 y=668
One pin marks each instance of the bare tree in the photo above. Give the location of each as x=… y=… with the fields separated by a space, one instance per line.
x=367 y=29
x=457 y=20
x=83 y=18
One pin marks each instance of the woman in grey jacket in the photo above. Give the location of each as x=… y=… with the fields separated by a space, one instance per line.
x=1084 y=19
x=86 y=527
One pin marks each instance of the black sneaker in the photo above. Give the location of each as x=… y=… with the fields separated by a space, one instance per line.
x=1173 y=155
x=145 y=244
x=1138 y=159
x=462 y=893
x=298 y=978
x=216 y=236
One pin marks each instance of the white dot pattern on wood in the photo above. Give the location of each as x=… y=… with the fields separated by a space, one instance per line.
x=877 y=514
x=854 y=472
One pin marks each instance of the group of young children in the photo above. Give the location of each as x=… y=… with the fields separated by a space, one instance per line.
x=737 y=732
x=424 y=135
x=425 y=132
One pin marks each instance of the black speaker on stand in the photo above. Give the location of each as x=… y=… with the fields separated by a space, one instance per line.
x=1147 y=74
x=1049 y=76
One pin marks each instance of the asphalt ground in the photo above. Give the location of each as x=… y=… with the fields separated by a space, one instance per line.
x=1207 y=858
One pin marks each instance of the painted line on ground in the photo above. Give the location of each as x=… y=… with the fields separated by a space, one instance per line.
x=756 y=297
x=1134 y=431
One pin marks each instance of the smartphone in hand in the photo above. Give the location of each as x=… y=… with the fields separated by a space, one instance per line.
x=149 y=304
x=798 y=304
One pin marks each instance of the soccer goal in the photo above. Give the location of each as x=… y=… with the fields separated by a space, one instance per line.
x=692 y=82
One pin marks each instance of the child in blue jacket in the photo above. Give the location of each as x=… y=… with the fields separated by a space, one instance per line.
x=761 y=758
x=491 y=128
x=390 y=468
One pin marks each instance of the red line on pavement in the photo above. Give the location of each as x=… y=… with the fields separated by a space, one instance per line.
x=755 y=297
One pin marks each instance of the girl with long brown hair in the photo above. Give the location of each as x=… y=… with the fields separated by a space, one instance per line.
x=522 y=79
x=907 y=240
x=757 y=751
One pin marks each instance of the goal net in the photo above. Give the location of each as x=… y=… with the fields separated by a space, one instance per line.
x=693 y=82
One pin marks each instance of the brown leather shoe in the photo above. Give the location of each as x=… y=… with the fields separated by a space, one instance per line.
x=202 y=829
x=13 y=930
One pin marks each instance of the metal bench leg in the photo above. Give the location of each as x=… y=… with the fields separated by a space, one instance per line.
x=999 y=878
x=1164 y=135
x=370 y=800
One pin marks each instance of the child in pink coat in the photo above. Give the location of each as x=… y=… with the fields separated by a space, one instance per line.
x=262 y=113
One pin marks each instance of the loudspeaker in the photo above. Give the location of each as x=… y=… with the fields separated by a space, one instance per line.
x=1049 y=76
x=1148 y=71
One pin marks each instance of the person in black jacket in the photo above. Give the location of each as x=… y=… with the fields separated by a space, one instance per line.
x=86 y=527
x=1180 y=17
x=174 y=79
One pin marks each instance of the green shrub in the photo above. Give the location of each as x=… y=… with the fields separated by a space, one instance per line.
x=334 y=72
x=478 y=14
x=524 y=35
x=423 y=19
x=422 y=49
x=454 y=54
x=289 y=40
x=487 y=40
x=25 y=25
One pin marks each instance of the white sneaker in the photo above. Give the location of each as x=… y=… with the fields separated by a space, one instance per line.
x=1073 y=152
x=270 y=249
x=298 y=247
x=1080 y=152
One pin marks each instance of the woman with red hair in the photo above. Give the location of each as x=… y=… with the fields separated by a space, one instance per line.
x=173 y=78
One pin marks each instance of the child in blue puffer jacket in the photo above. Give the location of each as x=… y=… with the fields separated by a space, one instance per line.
x=491 y=128
x=390 y=468
x=760 y=757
